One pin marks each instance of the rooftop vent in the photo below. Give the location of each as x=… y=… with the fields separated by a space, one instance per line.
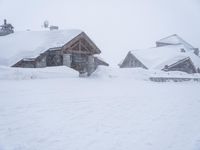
x=52 y=28
x=182 y=50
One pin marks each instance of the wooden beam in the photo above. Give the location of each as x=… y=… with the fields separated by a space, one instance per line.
x=79 y=44
x=78 y=52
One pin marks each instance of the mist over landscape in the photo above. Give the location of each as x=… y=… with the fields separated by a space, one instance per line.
x=99 y=75
x=114 y=25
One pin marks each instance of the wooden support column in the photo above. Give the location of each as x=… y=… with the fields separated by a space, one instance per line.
x=79 y=45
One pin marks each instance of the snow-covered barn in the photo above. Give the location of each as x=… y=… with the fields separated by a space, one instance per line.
x=37 y=49
x=167 y=57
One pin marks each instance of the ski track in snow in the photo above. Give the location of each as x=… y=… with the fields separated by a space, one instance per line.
x=100 y=113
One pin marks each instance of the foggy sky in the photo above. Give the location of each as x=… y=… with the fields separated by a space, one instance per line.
x=114 y=25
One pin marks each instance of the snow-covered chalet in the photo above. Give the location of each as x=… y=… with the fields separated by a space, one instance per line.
x=37 y=49
x=170 y=54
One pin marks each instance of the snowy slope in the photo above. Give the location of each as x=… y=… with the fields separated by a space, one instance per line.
x=115 y=113
x=31 y=43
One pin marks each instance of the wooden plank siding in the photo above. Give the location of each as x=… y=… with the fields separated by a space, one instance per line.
x=83 y=45
x=132 y=62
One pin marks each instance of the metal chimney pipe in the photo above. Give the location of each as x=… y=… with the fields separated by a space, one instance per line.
x=5 y=21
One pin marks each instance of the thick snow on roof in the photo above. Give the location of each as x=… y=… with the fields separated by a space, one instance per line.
x=158 y=57
x=174 y=40
x=29 y=44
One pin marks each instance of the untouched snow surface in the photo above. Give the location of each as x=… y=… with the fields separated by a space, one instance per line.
x=110 y=111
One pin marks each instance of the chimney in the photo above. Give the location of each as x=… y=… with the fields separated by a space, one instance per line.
x=196 y=51
x=5 y=21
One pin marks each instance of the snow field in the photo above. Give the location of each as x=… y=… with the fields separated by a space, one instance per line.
x=111 y=112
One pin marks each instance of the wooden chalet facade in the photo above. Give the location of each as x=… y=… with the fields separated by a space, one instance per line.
x=78 y=54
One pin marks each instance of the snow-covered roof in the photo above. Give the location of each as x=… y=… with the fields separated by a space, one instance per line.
x=174 y=40
x=29 y=44
x=158 y=57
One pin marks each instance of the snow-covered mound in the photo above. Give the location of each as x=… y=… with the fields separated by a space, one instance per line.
x=138 y=74
x=102 y=72
x=31 y=43
x=128 y=73
x=8 y=73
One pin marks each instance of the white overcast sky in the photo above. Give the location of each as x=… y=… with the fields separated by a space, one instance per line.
x=114 y=25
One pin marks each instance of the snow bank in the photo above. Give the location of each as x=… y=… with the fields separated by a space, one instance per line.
x=102 y=72
x=8 y=73
x=138 y=74
x=125 y=73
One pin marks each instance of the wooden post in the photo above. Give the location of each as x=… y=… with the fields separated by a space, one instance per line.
x=67 y=60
